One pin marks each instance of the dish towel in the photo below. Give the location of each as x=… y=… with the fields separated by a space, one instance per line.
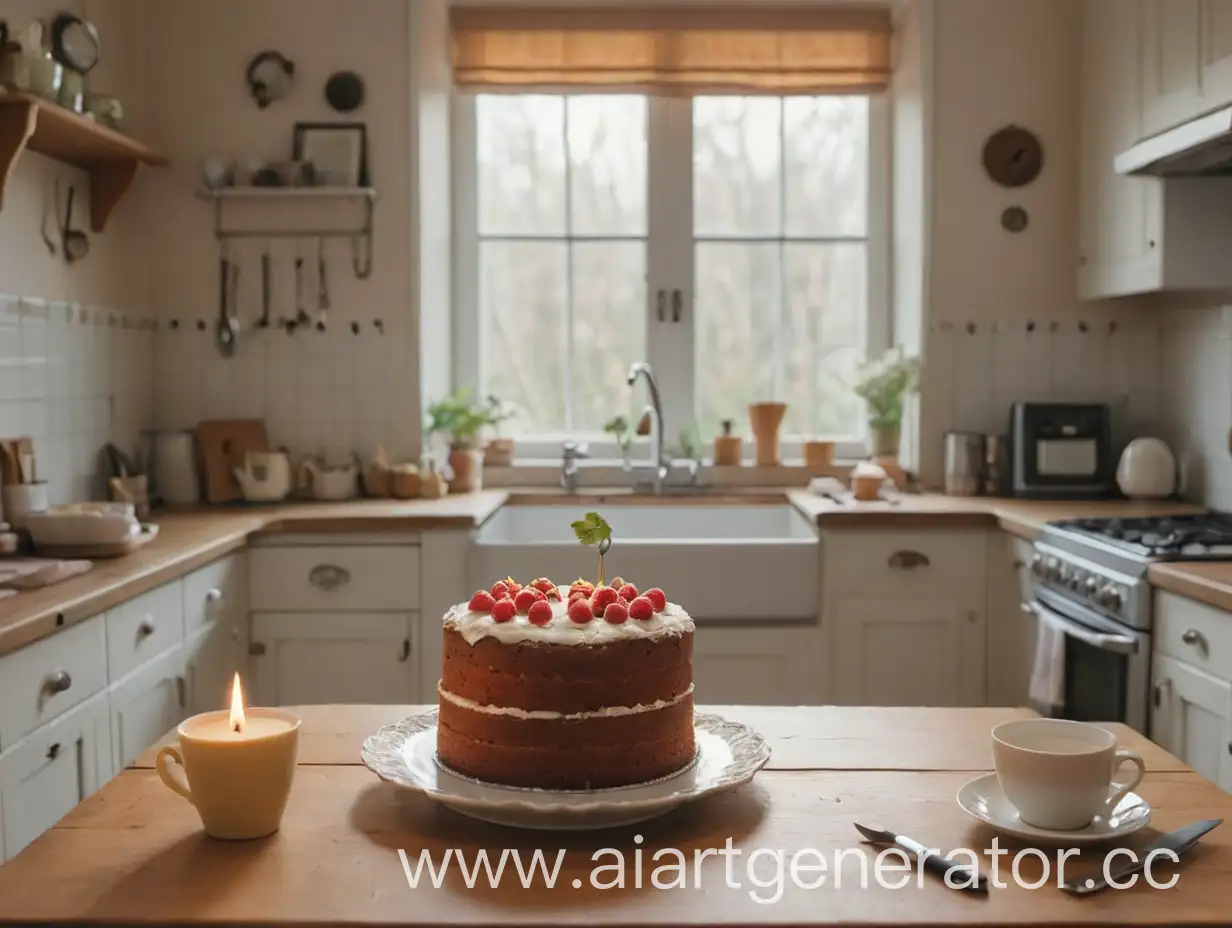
x=1047 y=690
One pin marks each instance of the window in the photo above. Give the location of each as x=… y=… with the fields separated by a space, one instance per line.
x=735 y=243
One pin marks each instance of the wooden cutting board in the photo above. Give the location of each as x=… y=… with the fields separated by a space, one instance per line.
x=222 y=444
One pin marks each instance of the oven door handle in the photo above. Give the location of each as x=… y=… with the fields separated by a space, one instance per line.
x=1117 y=644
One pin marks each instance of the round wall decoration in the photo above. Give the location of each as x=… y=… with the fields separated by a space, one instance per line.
x=1013 y=157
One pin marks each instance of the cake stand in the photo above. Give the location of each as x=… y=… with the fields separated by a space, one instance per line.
x=728 y=755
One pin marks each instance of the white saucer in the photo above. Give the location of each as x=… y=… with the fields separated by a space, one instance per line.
x=728 y=755
x=982 y=799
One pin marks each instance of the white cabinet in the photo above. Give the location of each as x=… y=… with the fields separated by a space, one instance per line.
x=907 y=652
x=211 y=659
x=773 y=666
x=146 y=705
x=1011 y=633
x=1216 y=50
x=316 y=658
x=216 y=592
x=1170 y=55
x=1192 y=718
x=46 y=774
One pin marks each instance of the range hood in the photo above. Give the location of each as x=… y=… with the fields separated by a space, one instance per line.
x=1199 y=148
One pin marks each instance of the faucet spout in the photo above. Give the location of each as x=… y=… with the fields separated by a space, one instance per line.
x=640 y=369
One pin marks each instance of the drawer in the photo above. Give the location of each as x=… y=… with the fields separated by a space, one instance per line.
x=360 y=578
x=1194 y=633
x=51 y=676
x=893 y=563
x=214 y=591
x=143 y=628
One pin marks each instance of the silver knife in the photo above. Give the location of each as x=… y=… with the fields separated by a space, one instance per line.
x=1178 y=842
x=963 y=875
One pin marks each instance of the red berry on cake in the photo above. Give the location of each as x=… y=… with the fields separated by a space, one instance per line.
x=513 y=586
x=656 y=596
x=525 y=599
x=628 y=592
x=581 y=586
x=482 y=601
x=554 y=593
x=579 y=611
x=616 y=613
x=603 y=597
x=499 y=589
x=540 y=613
x=543 y=585
x=617 y=583
x=504 y=610
x=641 y=609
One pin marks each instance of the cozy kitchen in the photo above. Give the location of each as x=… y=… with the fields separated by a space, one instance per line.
x=868 y=364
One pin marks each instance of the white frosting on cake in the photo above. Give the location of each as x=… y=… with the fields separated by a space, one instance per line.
x=563 y=630
x=606 y=712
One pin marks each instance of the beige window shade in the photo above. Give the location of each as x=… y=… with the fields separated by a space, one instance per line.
x=668 y=49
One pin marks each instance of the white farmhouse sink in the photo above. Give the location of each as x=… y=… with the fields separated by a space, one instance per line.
x=731 y=562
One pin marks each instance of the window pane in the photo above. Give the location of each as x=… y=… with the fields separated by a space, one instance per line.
x=737 y=302
x=609 y=329
x=822 y=338
x=522 y=298
x=607 y=165
x=521 y=163
x=736 y=166
x=826 y=165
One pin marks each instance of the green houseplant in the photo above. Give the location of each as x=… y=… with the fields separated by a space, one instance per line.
x=461 y=421
x=883 y=383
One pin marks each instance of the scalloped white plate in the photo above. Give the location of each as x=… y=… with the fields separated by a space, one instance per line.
x=728 y=755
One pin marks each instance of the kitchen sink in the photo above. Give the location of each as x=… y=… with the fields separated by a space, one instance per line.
x=732 y=562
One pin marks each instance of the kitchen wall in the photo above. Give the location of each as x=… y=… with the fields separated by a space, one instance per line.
x=76 y=342
x=330 y=392
x=1003 y=321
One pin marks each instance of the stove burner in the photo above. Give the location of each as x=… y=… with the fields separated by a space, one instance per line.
x=1207 y=536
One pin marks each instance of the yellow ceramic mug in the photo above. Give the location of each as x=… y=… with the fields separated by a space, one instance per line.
x=238 y=781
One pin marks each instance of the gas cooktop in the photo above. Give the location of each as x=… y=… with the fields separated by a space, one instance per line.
x=1203 y=537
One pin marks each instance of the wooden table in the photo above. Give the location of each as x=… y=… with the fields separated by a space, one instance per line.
x=134 y=852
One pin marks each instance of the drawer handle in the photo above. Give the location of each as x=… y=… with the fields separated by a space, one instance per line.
x=908 y=560
x=57 y=682
x=329 y=576
x=405 y=652
x=1194 y=637
x=256 y=648
x=213 y=596
x=54 y=751
x=145 y=630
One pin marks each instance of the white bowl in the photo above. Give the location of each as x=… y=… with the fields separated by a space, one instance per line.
x=83 y=524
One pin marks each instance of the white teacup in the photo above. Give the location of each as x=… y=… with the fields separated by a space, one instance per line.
x=1060 y=774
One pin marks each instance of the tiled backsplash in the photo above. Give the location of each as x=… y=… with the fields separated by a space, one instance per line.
x=1196 y=394
x=974 y=372
x=72 y=378
x=331 y=392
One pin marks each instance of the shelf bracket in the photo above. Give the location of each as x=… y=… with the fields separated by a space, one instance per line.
x=109 y=181
x=16 y=128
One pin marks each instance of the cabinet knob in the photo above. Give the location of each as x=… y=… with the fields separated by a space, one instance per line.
x=213 y=595
x=256 y=648
x=405 y=652
x=57 y=682
x=1198 y=640
x=329 y=576
x=54 y=751
x=145 y=630
x=908 y=560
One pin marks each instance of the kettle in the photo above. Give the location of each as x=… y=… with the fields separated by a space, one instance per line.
x=265 y=476
x=1147 y=470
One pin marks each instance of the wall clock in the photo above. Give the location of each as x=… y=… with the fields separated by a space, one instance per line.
x=1013 y=157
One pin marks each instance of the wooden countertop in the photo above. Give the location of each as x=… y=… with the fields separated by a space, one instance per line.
x=188 y=539
x=1209 y=582
x=134 y=852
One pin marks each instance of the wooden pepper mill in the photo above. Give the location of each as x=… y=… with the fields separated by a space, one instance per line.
x=766 y=419
x=727 y=447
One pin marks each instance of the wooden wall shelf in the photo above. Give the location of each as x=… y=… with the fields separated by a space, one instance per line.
x=110 y=157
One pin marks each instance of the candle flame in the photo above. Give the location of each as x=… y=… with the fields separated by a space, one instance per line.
x=237 y=705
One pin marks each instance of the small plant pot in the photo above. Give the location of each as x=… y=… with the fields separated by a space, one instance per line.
x=406 y=483
x=883 y=442
x=499 y=452
x=378 y=482
x=467 y=467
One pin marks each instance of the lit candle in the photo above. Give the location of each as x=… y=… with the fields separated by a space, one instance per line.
x=235 y=766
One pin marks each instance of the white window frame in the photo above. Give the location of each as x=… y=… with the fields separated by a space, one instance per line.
x=669 y=345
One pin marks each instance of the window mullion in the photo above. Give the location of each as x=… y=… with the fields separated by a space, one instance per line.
x=567 y=366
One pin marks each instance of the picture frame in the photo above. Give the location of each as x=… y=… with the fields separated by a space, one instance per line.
x=338 y=152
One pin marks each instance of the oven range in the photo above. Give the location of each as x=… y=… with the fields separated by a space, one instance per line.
x=1089 y=585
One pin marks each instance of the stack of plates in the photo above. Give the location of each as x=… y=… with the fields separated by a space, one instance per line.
x=88 y=530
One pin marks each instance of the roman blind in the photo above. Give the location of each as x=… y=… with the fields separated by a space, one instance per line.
x=670 y=48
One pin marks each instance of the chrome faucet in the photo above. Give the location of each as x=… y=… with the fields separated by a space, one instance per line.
x=571 y=452
x=658 y=464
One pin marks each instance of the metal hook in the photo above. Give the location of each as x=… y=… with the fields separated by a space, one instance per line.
x=361 y=265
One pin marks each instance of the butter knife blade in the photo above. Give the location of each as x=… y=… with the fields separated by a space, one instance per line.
x=959 y=876
x=1178 y=842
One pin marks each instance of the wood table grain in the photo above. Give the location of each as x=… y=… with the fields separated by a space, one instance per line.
x=134 y=852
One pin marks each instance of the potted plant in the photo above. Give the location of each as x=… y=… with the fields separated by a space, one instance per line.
x=499 y=451
x=460 y=421
x=882 y=383
x=618 y=428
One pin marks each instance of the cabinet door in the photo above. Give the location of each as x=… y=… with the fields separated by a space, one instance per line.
x=1171 y=63
x=47 y=773
x=1011 y=633
x=146 y=705
x=211 y=659
x=775 y=666
x=311 y=659
x=1216 y=53
x=899 y=652
x=1192 y=718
